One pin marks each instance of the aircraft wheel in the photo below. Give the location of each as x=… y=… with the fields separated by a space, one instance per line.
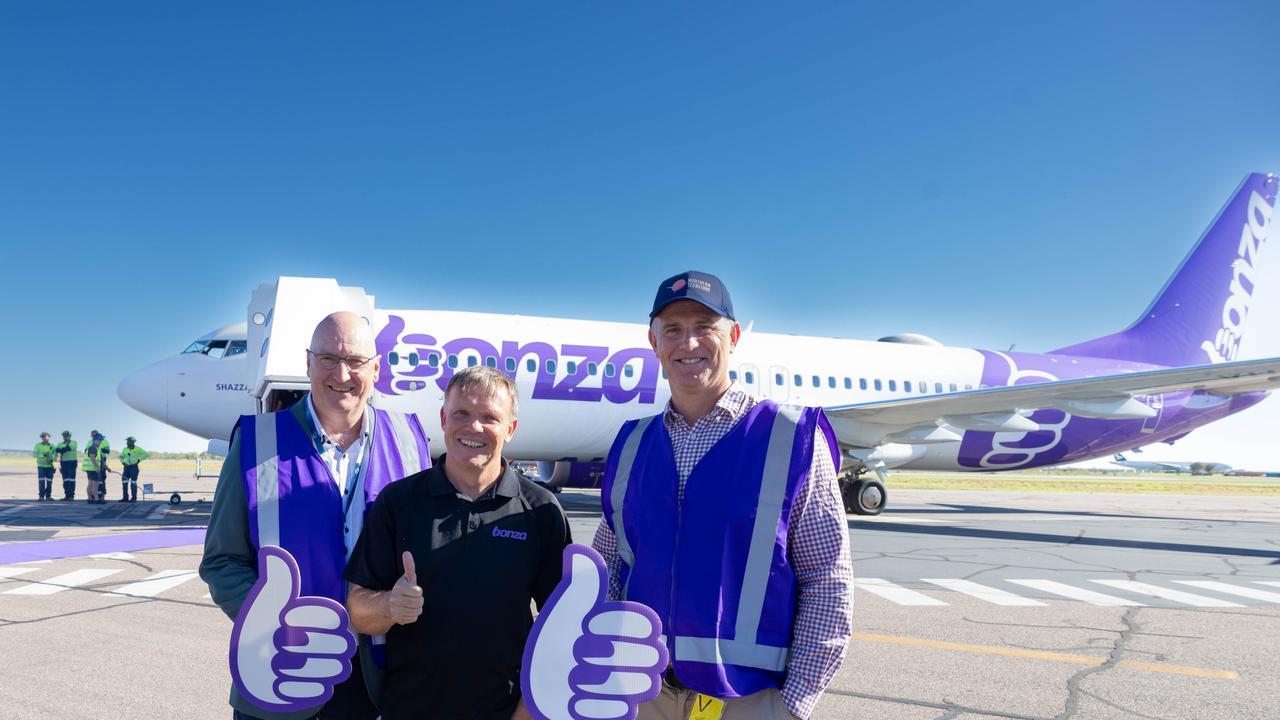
x=174 y=499
x=869 y=497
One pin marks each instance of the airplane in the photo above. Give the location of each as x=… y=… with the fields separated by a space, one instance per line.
x=1173 y=466
x=901 y=402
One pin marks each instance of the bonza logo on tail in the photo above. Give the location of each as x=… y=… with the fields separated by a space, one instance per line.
x=1226 y=343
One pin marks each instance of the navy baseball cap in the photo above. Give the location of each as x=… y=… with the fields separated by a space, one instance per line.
x=702 y=288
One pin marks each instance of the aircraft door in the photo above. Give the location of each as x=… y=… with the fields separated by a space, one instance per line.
x=777 y=382
x=749 y=376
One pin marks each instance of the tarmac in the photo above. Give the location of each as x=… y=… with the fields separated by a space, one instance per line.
x=968 y=604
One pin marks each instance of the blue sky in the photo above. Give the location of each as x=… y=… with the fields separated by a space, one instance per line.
x=985 y=173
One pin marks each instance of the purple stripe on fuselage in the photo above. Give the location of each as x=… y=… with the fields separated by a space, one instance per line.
x=82 y=546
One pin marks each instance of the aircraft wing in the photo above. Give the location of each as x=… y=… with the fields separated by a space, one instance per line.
x=934 y=418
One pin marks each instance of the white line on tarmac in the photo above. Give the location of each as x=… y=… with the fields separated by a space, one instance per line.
x=982 y=592
x=57 y=584
x=1075 y=593
x=895 y=593
x=158 y=513
x=154 y=585
x=897 y=519
x=8 y=572
x=1222 y=587
x=16 y=508
x=1176 y=595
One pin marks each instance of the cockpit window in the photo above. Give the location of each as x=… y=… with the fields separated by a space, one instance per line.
x=218 y=348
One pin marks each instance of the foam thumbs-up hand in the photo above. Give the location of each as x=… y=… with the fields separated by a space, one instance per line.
x=288 y=651
x=588 y=658
x=404 y=600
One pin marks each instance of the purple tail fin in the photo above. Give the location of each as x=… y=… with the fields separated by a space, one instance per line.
x=1199 y=316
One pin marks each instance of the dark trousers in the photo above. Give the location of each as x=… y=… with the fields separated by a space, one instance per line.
x=69 y=479
x=129 y=483
x=44 y=476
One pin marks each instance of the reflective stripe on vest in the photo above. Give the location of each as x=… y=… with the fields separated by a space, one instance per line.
x=406 y=443
x=267 y=480
x=743 y=651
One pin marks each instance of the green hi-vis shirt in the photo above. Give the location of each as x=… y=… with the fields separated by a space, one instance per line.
x=67 y=451
x=132 y=455
x=91 y=458
x=44 y=454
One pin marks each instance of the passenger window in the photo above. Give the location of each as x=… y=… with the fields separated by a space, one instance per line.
x=893 y=386
x=570 y=366
x=862 y=383
x=473 y=360
x=848 y=384
x=968 y=387
x=551 y=367
x=831 y=381
x=906 y=386
x=777 y=378
x=433 y=360
x=878 y=384
x=510 y=364
x=531 y=365
x=664 y=374
x=733 y=374
x=453 y=361
x=492 y=362
x=591 y=368
x=937 y=387
x=799 y=381
x=751 y=378
x=628 y=371
x=393 y=358
x=608 y=370
x=816 y=381
x=953 y=387
x=413 y=359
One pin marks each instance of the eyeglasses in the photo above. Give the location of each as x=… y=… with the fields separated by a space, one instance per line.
x=328 y=361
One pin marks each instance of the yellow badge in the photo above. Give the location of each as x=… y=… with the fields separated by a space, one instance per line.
x=706 y=707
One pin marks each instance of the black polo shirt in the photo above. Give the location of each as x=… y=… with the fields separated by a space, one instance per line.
x=478 y=563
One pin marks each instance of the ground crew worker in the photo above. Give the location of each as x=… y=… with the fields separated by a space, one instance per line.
x=130 y=456
x=44 y=467
x=66 y=451
x=95 y=467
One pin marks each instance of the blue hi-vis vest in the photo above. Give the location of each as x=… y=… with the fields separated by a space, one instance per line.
x=715 y=568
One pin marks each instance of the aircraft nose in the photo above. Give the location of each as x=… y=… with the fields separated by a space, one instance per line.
x=143 y=391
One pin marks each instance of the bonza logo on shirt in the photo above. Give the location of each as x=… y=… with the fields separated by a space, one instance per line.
x=511 y=534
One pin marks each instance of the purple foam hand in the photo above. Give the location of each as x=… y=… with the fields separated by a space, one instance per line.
x=287 y=651
x=589 y=658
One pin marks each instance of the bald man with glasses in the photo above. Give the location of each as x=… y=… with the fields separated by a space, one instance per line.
x=330 y=454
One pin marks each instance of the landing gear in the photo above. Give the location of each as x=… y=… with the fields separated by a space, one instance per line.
x=863 y=496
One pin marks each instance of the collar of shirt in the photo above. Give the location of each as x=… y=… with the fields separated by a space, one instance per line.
x=731 y=406
x=341 y=462
x=508 y=484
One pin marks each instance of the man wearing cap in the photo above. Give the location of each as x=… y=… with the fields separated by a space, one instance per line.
x=44 y=467
x=329 y=455
x=723 y=515
x=130 y=456
x=95 y=468
x=67 y=461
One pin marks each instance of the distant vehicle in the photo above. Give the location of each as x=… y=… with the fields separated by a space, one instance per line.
x=1174 y=466
x=903 y=401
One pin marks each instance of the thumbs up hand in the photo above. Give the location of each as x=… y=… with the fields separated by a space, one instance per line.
x=404 y=599
x=589 y=658
x=288 y=651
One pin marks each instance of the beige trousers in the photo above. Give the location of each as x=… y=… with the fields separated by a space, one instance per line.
x=675 y=704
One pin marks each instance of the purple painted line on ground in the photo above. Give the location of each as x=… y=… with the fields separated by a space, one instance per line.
x=79 y=547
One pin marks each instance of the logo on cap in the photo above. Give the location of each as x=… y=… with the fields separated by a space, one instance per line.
x=678 y=285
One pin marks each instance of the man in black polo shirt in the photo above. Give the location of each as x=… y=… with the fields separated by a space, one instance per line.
x=448 y=561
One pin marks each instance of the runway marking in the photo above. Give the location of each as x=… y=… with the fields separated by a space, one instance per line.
x=1176 y=595
x=1222 y=587
x=16 y=508
x=895 y=593
x=8 y=572
x=893 y=519
x=982 y=592
x=57 y=584
x=112 y=556
x=1050 y=656
x=1075 y=593
x=154 y=585
x=158 y=513
x=1272 y=583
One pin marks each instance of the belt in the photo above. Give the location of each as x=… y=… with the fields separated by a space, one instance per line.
x=670 y=680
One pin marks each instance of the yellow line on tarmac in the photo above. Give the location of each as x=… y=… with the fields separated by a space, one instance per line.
x=1044 y=655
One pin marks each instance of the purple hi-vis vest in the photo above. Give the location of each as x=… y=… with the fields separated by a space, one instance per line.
x=293 y=498
x=714 y=568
